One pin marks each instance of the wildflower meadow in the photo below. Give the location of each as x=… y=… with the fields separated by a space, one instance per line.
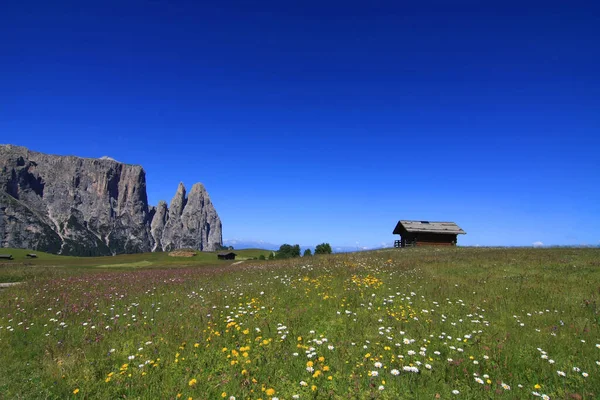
x=460 y=323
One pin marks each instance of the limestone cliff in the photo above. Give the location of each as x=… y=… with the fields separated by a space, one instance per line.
x=83 y=206
x=192 y=222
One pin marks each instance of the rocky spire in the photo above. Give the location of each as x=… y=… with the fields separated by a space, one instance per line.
x=178 y=202
x=193 y=222
x=158 y=223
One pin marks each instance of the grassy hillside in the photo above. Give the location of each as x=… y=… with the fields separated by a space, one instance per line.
x=23 y=267
x=388 y=324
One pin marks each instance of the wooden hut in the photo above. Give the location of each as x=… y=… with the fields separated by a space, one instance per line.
x=226 y=256
x=426 y=233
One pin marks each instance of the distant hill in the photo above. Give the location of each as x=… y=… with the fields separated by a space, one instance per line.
x=251 y=244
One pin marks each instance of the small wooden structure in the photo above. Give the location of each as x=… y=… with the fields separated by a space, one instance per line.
x=226 y=256
x=31 y=255
x=6 y=257
x=426 y=233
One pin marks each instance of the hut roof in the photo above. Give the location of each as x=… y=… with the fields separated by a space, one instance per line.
x=428 y=226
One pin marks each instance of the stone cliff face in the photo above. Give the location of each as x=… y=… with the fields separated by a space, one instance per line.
x=192 y=222
x=81 y=206
x=158 y=224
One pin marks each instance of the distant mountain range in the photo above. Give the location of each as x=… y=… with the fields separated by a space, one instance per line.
x=259 y=244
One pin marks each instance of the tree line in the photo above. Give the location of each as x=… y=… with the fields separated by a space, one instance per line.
x=291 y=251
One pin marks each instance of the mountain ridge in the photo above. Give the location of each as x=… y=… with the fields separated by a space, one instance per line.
x=88 y=206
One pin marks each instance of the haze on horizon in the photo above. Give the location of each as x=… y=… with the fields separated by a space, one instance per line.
x=326 y=122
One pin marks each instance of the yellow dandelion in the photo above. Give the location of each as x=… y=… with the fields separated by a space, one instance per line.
x=75 y=391
x=270 y=392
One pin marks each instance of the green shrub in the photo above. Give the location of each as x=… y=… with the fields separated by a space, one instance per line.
x=288 y=251
x=323 y=248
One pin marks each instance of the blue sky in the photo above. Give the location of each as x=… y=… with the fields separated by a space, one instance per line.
x=325 y=121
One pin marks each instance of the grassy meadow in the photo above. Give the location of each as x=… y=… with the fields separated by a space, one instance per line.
x=46 y=265
x=423 y=323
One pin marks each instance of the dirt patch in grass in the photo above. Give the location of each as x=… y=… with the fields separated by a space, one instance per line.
x=127 y=265
x=182 y=253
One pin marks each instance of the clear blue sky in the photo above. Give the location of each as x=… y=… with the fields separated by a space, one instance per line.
x=325 y=121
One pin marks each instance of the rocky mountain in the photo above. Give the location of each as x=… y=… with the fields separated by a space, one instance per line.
x=83 y=206
x=190 y=221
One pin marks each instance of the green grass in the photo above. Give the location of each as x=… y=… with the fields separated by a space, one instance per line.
x=509 y=318
x=136 y=264
x=48 y=265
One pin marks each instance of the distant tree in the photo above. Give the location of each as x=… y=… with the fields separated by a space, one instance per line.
x=307 y=253
x=288 y=251
x=262 y=257
x=323 y=248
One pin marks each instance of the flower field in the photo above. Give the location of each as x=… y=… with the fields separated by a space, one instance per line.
x=390 y=324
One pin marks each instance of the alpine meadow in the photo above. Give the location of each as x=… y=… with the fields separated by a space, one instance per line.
x=423 y=323
x=300 y=200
